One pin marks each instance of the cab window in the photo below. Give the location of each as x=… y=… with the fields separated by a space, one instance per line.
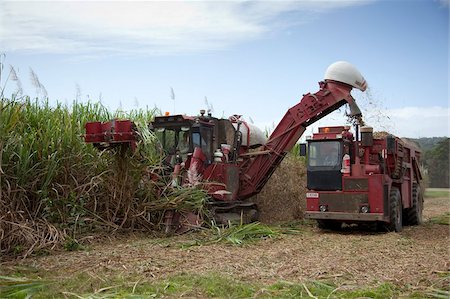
x=324 y=153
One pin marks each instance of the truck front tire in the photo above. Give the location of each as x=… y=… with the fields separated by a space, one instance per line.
x=395 y=211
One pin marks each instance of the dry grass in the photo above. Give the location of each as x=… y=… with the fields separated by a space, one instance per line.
x=283 y=197
x=28 y=236
x=415 y=259
x=380 y=135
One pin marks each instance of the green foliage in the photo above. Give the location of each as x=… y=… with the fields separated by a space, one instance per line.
x=238 y=235
x=443 y=219
x=436 y=193
x=320 y=289
x=41 y=147
x=212 y=285
x=441 y=288
x=295 y=152
x=440 y=294
x=71 y=244
x=425 y=176
x=241 y=234
x=427 y=143
x=437 y=163
x=19 y=287
x=184 y=199
x=46 y=169
x=51 y=182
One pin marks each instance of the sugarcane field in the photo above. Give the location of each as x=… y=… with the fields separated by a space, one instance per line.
x=234 y=149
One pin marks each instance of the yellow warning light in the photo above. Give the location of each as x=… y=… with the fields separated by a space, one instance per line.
x=167 y=113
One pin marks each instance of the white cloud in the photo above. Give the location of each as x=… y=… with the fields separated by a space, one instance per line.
x=420 y=121
x=144 y=27
x=412 y=122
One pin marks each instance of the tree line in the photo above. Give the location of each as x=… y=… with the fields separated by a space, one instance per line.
x=436 y=160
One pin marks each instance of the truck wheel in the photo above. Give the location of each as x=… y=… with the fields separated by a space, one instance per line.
x=414 y=214
x=329 y=224
x=395 y=211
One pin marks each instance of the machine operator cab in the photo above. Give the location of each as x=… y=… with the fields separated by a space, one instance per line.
x=324 y=158
x=179 y=135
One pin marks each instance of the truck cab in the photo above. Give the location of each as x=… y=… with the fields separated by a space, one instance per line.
x=326 y=150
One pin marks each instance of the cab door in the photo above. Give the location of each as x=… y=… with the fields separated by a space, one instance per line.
x=202 y=137
x=324 y=165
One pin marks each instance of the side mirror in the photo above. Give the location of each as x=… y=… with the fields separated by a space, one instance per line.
x=302 y=150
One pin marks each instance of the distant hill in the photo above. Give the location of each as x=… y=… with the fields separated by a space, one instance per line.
x=427 y=143
x=435 y=159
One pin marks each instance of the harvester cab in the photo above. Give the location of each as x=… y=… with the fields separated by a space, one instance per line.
x=206 y=137
x=179 y=135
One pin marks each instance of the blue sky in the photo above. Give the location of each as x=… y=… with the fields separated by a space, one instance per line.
x=255 y=58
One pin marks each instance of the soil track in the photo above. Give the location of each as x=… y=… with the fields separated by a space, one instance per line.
x=414 y=257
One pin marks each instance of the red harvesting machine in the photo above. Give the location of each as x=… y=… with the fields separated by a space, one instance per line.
x=230 y=154
x=371 y=180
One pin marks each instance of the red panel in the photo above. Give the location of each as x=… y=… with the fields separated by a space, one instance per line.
x=112 y=132
x=227 y=178
x=106 y=126
x=93 y=127
x=93 y=132
x=122 y=126
x=376 y=193
x=123 y=131
x=312 y=204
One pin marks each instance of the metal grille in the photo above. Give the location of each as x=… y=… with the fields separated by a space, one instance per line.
x=343 y=202
x=356 y=184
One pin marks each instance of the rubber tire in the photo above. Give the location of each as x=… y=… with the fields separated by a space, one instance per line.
x=414 y=214
x=395 y=211
x=329 y=224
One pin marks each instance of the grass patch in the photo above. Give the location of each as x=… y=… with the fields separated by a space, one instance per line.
x=441 y=288
x=213 y=285
x=443 y=219
x=319 y=289
x=239 y=235
x=436 y=193
x=20 y=287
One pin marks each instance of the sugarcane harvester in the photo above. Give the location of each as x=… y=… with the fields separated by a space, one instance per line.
x=230 y=157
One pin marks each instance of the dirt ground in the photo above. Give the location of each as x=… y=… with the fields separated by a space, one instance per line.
x=415 y=257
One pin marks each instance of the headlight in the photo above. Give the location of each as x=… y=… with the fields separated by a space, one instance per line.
x=323 y=208
x=365 y=209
